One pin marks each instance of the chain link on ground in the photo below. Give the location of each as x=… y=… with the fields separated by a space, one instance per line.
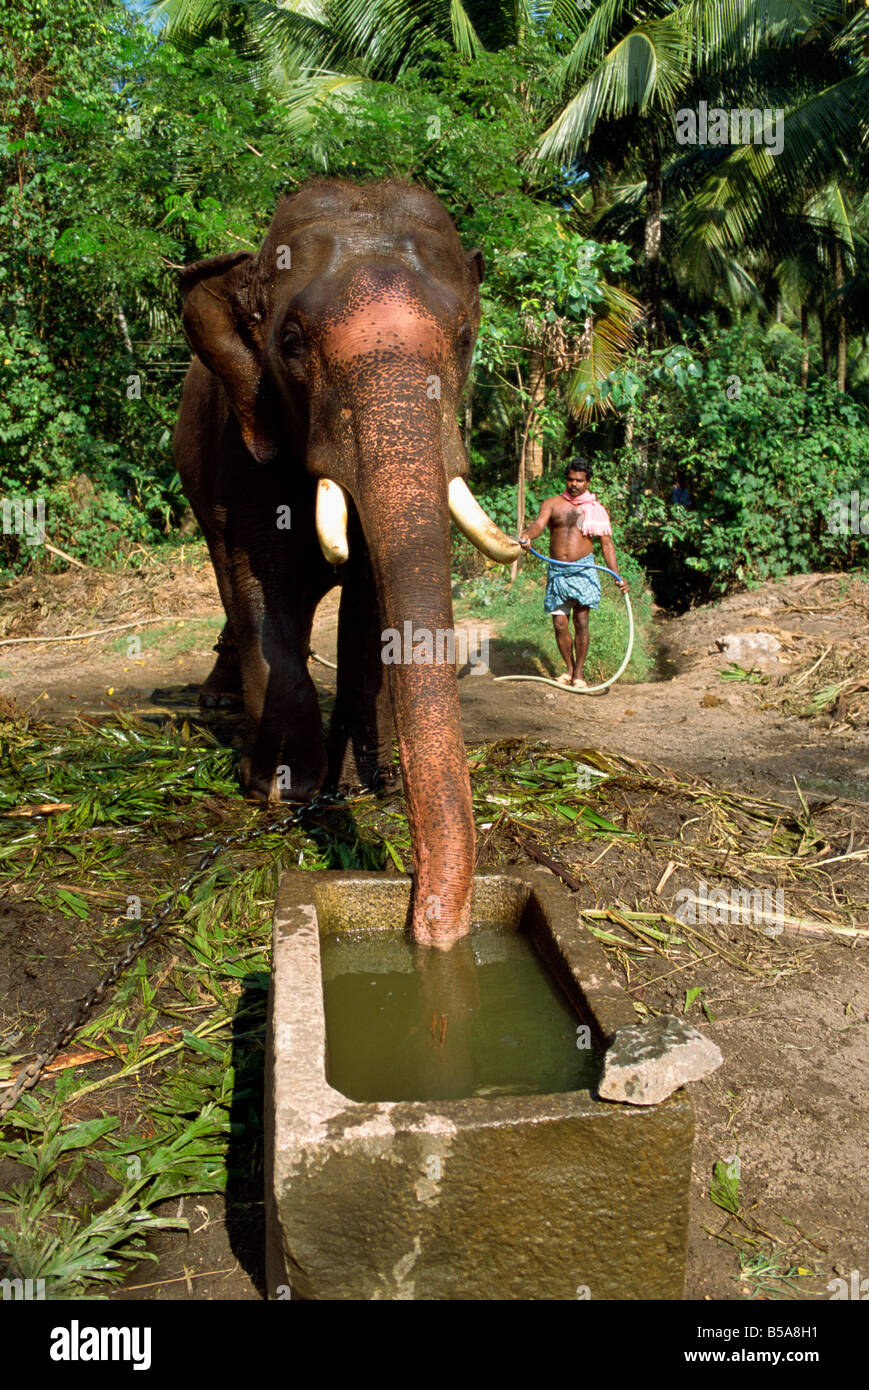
x=29 y=1076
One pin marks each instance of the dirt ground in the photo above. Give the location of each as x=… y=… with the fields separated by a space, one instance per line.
x=790 y=1098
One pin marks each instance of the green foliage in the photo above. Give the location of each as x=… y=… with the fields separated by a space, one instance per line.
x=724 y=1188
x=764 y=460
x=120 y=158
x=75 y=1252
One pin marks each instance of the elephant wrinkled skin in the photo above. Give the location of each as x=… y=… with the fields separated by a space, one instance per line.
x=317 y=442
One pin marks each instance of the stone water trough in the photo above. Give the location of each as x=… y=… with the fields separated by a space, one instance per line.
x=505 y=1196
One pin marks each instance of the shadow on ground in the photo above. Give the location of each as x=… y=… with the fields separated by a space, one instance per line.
x=245 y=1209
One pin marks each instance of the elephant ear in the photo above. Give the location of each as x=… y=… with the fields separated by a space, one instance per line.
x=224 y=320
x=476 y=265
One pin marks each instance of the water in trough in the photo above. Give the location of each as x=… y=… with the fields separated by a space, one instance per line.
x=483 y=1019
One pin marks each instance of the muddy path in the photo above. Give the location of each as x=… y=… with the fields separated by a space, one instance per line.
x=791 y=1097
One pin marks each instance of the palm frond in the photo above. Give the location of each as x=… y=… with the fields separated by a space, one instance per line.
x=464 y=34
x=308 y=94
x=749 y=187
x=831 y=204
x=732 y=31
x=647 y=68
x=596 y=29
x=854 y=40
x=389 y=36
x=188 y=17
x=612 y=338
x=292 y=40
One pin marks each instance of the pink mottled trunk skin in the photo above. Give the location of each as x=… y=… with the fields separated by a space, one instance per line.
x=425 y=698
x=383 y=355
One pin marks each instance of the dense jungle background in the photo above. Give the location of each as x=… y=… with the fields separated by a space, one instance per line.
x=689 y=315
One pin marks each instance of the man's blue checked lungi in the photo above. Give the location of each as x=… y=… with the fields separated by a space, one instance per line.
x=579 y=583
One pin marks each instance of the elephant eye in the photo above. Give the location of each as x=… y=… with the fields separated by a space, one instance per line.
x=292 y=340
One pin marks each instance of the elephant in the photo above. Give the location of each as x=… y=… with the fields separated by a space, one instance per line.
x=318 y=444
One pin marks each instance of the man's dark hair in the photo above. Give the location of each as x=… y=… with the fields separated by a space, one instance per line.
x=579 y=465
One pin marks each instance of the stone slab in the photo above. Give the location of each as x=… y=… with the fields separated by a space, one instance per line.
x=541 y=1197
x=647 y=1062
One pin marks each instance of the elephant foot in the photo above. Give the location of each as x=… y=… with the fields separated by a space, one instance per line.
x=276 y=785
x=385 y=778
x=223 y=688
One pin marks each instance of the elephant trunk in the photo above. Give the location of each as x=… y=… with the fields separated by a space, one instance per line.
x=402 y=503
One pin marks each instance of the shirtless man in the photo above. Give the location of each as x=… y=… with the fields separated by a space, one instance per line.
x=574 y=519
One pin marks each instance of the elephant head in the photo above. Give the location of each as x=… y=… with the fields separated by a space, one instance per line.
x=343 y=347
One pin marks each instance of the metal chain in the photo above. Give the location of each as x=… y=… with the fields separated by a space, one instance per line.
x=30 y=1075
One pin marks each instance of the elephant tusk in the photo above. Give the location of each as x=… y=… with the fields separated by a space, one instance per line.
x=479 y=528
x=331 y=518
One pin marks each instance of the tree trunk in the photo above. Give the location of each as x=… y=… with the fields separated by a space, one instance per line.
x=469 y=418
x=520 y=489
x=804 y=334
x=652 y=245
x=122 y=322
x=537 y=387
x=841 y=326
x=825 y=345
x=638 y=474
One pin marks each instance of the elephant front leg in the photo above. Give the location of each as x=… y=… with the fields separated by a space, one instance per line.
x=359 y=745
x=284 y=759
x=223 y=688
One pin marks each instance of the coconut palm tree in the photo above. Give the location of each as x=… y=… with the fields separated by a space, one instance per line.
x=630 y=68
x=793 y=206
